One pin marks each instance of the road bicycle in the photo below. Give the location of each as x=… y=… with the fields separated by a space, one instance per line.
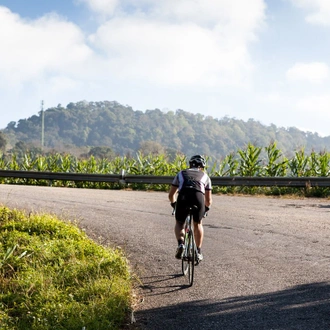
x=189 y=255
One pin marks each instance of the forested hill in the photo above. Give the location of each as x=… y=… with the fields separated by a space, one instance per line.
x=124 y=130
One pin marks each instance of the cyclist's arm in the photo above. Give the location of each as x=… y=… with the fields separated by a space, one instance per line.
x=172 y=194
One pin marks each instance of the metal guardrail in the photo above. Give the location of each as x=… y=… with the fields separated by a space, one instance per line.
x=272 y=181
x=153 y=179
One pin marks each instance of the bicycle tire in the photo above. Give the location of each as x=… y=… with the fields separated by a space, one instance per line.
x=185 y=264
x=188 y=260
x=191 y=260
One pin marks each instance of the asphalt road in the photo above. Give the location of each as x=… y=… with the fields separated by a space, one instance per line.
x=266 y=260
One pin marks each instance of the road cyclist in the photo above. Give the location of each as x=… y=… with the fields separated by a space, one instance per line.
x=191 y=189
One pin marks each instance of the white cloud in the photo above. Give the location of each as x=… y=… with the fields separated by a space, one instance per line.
x=319 y=10
x=33 y=49
x=183 y=54
x=271 y=97
x=181 y=42
x=312 y=72
x=103 y=7
x=166 y=42
x=240 y=17
x=318 y=105
x=59 y=84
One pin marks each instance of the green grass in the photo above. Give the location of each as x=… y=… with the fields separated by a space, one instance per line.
x=52 y=276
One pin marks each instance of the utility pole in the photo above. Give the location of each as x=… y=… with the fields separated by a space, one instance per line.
x=42 y=125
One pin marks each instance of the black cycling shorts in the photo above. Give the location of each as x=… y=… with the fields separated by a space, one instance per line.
x=187 y=198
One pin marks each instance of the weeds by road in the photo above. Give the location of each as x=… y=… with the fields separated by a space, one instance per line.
x=52 y=276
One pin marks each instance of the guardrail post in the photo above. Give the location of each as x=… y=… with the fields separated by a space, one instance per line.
x=122 y=178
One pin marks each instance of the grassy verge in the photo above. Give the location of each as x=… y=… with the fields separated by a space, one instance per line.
x=52 y=276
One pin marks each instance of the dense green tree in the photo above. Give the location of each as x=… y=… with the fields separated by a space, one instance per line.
x=111 y=125
x=101 y=152
x=3 y=141
x=151 y=148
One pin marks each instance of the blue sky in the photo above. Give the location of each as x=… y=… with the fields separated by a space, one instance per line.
x=263 y=59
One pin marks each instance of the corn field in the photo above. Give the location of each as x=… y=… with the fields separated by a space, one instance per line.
x=251 y=161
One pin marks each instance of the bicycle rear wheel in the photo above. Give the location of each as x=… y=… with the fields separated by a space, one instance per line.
x=185 y=263
x=188 y=260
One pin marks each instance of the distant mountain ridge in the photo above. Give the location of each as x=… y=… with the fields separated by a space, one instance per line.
x=124 y=130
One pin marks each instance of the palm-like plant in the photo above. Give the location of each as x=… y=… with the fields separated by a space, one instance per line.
x=249 y=163
x=277 y=163
x=299 y=164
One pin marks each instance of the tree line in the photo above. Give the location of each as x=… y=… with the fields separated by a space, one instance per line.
x=110 y=128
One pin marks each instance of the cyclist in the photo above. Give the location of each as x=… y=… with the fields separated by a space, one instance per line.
x=194 y=187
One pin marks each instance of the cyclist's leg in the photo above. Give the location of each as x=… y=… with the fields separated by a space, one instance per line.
x=199 y=234
x=179 y=234
x=198 y=224
x=179 y=231
x=180 y=217
x=181 y=214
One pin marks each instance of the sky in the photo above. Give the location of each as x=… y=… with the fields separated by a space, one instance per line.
x=267 y=60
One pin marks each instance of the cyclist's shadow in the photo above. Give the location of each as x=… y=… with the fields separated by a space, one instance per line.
x=162 y=284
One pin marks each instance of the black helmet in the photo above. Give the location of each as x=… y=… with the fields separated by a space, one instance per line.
x=197 y=161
